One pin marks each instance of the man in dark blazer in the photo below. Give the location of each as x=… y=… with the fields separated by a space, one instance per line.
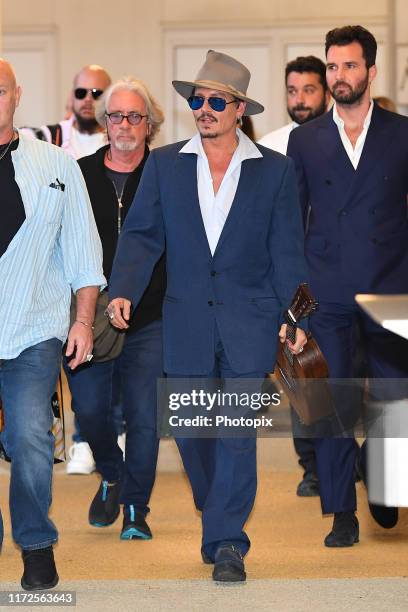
x=229 y=216
x=352 y=168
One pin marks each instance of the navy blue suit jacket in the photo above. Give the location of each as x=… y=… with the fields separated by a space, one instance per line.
x=357 y=226
x=243 y=287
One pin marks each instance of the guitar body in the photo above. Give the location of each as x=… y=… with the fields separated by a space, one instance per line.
x=304 y=376
x=310 y=363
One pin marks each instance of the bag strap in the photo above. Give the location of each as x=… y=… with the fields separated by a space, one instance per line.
x=56 y=134
x=39 y=134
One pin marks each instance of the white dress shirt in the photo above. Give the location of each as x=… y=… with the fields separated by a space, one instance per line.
x=215 y=207
x=353 y=153
x=278 y=139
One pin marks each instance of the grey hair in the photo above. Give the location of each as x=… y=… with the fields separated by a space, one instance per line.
x=155 y=116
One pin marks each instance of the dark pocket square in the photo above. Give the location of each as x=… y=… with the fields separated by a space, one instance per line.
x=57 y=185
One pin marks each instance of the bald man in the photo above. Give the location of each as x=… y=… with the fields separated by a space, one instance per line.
x=80 y=134
x=49 y=246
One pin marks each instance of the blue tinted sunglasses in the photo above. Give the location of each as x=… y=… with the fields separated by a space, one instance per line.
x=217 y=104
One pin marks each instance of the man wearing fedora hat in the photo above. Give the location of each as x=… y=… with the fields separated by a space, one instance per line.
x=227 y=212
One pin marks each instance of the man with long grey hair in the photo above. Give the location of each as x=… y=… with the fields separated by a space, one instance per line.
x=155 y=115
x=132 y=118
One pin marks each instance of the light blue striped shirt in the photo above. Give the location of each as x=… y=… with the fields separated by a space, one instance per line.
x=56 y=248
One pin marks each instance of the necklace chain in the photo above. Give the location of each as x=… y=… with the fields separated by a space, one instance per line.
x=120 y=205
x=8 y=146
x=118 y=197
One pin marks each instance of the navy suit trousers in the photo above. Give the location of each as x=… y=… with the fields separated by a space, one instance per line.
x=332 y=326
x=222 y=471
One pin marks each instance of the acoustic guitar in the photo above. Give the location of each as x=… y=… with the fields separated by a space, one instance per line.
x=304 y=376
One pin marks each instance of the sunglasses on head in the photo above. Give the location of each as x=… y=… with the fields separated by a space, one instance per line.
x=80 y=93
x=217 y=104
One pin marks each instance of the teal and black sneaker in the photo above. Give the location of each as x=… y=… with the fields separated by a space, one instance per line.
x=105 y=507
x=134 y=525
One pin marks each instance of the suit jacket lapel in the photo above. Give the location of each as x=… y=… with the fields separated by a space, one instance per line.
x=186 y=180
x=329 y=141
x=377 y=140
x=244 y=195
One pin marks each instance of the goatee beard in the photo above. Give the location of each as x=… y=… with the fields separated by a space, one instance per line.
x=126 y=146
x=86 y=125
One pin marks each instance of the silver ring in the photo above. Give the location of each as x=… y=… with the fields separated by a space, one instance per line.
x=111 y=315
x=89 y=357
x=300 y=350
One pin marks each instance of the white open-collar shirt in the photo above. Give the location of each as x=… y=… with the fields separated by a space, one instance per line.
x=215 y=207
x=354 y=153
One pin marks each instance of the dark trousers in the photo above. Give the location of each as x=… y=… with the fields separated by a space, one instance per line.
x=305 y=450
x=222 y=471
x=92 y=385
x=333 y=327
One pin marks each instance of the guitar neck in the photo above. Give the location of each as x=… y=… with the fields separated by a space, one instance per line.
x=290 y=335
x=291 y=332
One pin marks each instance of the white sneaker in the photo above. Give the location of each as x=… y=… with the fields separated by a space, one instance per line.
x=122 y=443
x=81 y=460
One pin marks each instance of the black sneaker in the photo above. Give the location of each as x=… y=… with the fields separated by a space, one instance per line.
x=105 y=508
x=134 y=525
x=308 y=486
x=40 y=572
x=345 y=531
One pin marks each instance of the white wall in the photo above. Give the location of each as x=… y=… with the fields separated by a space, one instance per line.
x=242 y=11
x=122 y=35
x=401 y=54
x=127 y=36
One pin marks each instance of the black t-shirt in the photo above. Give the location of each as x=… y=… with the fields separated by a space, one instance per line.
x=118 y=179
x=11 y=204
x=99 y=181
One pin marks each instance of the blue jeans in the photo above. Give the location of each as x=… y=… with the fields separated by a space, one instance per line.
x=93 y=393
x=26 y=386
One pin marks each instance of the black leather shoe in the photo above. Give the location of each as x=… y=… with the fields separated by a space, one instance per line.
x=308 y=486
x=134 y=525
x=39 y=569
x=345 y=530
x=386 y=517
x=206 y=559
x=228 y=565
x=105 y=508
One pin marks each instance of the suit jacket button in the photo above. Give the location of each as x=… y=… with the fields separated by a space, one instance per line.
x=328 y=182
x=210 y=303
x=213 y=273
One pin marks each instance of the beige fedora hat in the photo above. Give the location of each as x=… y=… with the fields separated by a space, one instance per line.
x=223 y=73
